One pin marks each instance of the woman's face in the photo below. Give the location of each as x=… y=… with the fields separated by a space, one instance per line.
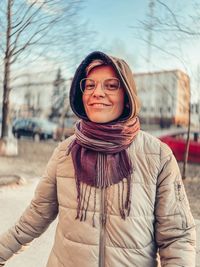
x=99 y=106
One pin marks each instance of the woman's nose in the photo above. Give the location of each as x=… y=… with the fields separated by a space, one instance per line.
x=99 y=91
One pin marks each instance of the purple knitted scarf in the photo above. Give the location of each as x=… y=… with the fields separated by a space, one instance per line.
x=100 y=156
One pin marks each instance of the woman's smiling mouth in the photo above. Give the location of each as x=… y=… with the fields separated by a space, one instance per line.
x=99 y=105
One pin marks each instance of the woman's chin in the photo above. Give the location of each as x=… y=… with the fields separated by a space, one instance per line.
x=100 y=119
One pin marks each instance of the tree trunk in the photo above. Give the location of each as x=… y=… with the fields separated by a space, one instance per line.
x=6 y=79
x=6 y=93
x=188 y=139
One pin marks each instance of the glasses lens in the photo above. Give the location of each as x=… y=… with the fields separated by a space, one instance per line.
x=87 y=86
x=111 y=85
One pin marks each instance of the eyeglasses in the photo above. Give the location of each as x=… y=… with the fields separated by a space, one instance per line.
x=110 y=86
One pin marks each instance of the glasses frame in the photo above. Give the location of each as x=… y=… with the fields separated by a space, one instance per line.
x=102 y=86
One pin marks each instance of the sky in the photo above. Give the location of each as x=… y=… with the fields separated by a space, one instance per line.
x=114 y=23
x=113 y=20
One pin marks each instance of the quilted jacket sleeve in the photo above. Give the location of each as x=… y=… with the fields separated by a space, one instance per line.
x=175 y=227
x=36 y=218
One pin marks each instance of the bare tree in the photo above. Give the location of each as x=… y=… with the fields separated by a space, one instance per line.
x=172 y=28
x=27 y=26
x=182 y=28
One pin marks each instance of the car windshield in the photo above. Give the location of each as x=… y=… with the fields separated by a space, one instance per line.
x=44 y=123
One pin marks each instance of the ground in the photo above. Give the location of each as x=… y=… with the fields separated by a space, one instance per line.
x=33 y=156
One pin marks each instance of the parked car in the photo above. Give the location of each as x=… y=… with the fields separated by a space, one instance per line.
x=177 y=142
x=36 y=128
x=65 y=129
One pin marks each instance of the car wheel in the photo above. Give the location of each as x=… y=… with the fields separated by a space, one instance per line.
x=17 y=135
x=36 y=137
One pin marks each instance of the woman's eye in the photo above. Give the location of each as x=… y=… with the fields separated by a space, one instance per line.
x=111 y=86
x=89 y=86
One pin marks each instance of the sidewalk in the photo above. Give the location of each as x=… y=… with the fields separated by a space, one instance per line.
x=13 y=200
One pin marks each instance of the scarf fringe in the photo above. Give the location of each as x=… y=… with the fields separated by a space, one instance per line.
x=124 y=203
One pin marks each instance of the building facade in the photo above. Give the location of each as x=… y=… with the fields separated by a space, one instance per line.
x=34 y=95
x=195 y=115
x=165 y=97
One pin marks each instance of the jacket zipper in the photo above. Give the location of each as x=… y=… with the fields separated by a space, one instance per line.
x=102 y=230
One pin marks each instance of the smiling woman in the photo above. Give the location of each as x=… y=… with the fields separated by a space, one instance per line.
x=117 y=190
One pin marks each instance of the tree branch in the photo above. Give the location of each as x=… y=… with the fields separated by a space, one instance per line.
x=28 y=20
x=166 y=52
x=177 y=26
x=30 y=42
x=2 y=49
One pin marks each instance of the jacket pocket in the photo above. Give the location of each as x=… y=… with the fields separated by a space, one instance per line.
x=183 y=205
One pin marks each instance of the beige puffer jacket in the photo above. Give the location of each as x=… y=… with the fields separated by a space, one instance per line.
x=160 y=217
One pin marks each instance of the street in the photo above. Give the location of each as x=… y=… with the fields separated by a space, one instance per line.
x=13 y=200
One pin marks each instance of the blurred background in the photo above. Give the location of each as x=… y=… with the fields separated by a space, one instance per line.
x=43 y=41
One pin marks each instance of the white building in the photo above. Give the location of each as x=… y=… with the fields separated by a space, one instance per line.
x=164 y=97
x=195 y=115
x=32 y=93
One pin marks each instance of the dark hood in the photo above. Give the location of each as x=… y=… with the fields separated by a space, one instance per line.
x=124 y=74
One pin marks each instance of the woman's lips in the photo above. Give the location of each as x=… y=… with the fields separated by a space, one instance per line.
x=99 y=105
